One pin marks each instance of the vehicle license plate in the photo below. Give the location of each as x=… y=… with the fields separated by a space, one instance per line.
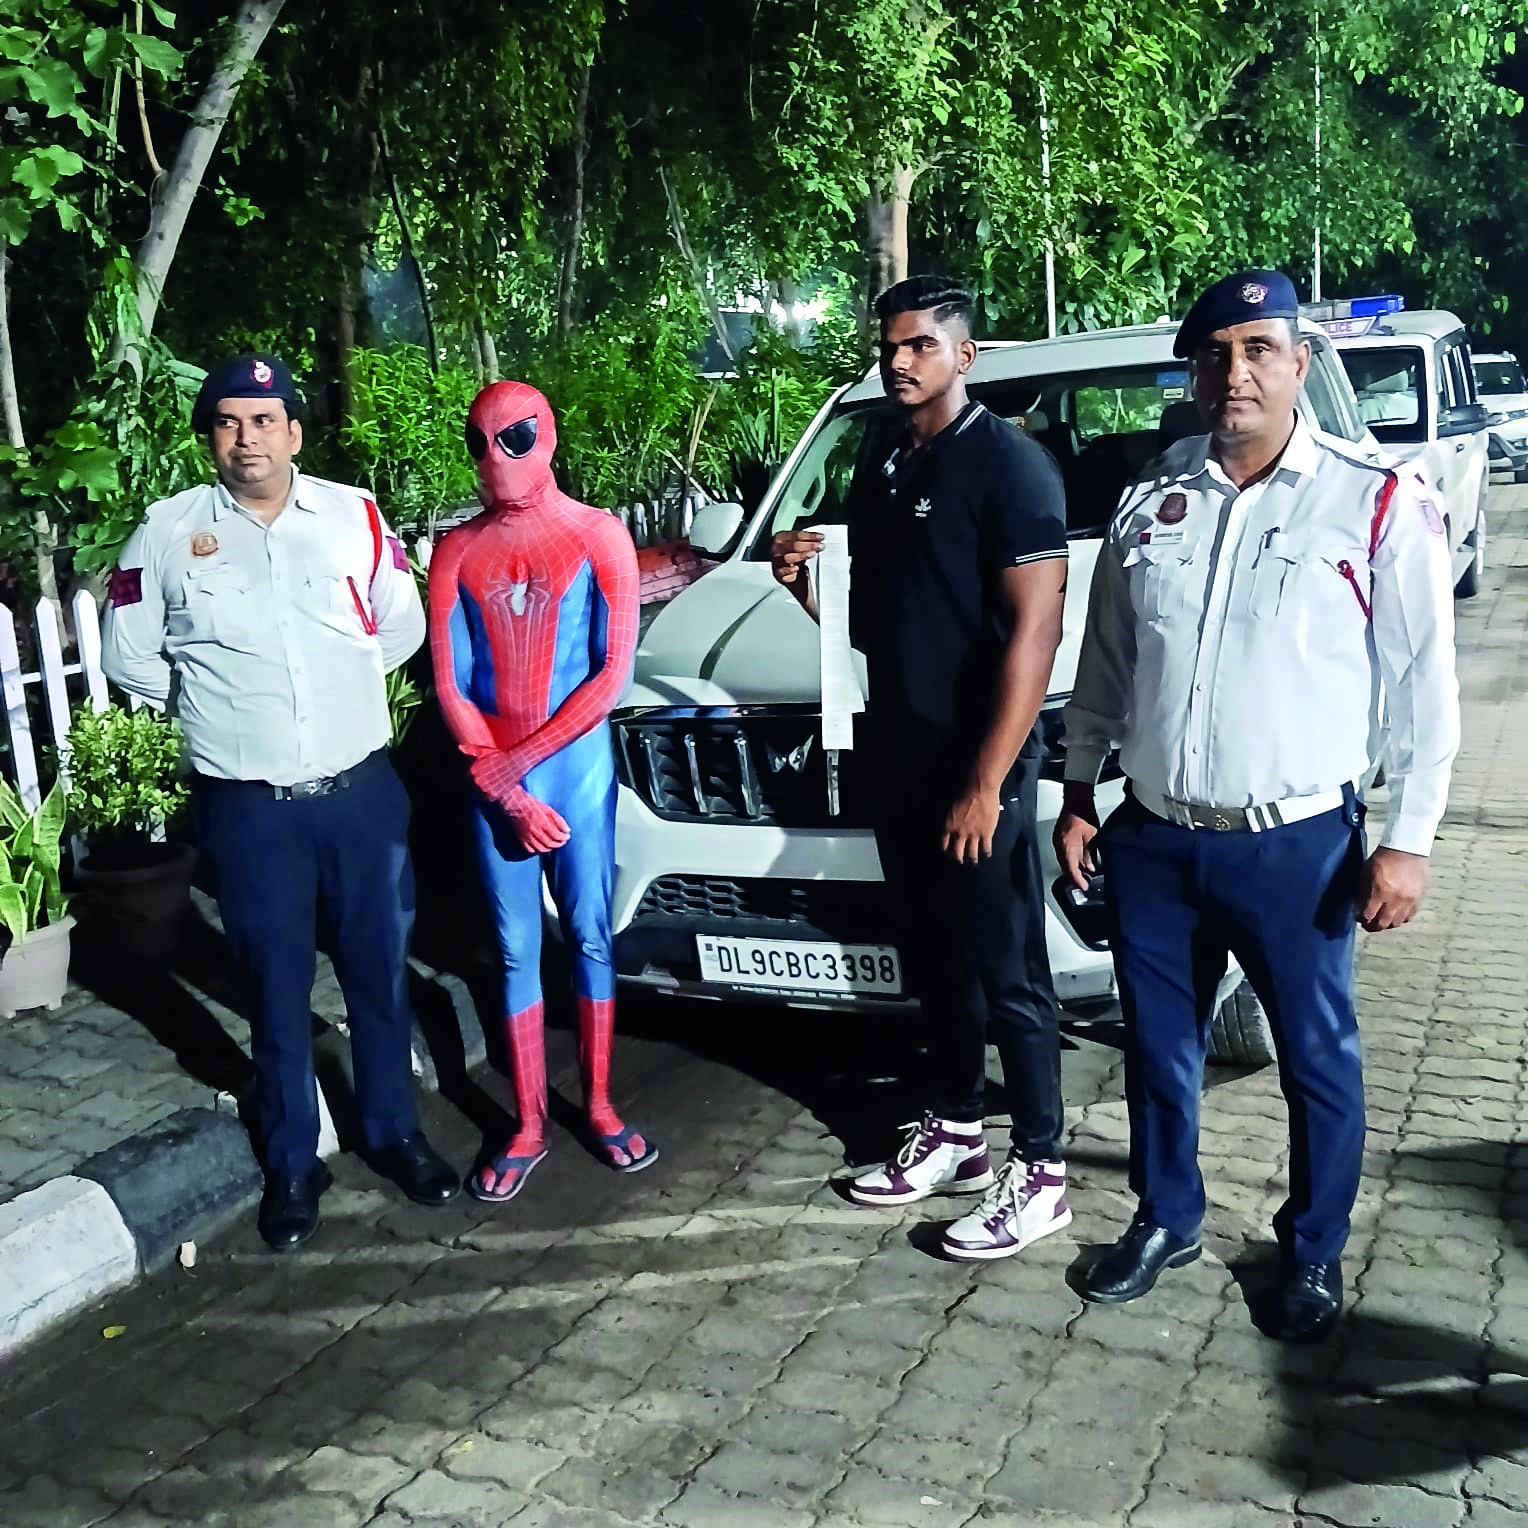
x=788 y=965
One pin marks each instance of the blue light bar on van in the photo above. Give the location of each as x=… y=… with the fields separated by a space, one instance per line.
x=1372 y=307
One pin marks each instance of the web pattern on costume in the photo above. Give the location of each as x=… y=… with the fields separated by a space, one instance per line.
x=533 y=616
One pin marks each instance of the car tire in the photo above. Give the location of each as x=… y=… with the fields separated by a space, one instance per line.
x=1239 y=1032
x=1469 y=581
x=1521 y=475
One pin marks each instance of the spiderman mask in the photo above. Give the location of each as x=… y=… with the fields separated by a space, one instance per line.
x=511 y=435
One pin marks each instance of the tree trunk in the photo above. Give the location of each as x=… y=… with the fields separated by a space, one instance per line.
x=363 y=148
x=208 y=118
x=886 y=219
x=567 y=286
x=489 y=351
x=44 y=530
x=408 y=248
x=697 y=272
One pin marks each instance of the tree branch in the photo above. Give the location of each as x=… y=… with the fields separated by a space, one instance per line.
x=209 y=117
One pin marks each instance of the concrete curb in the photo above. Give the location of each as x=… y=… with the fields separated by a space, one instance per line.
x=124 y=1212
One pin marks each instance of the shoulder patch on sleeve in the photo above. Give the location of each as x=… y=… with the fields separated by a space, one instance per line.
x=1430 y=515
x=126 y=587
x=400 y=557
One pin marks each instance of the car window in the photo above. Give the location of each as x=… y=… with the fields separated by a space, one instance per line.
x=1389 y=385
x=1498 y=377
x=1461 y=379
x=1329 y=396
x=1101 y=427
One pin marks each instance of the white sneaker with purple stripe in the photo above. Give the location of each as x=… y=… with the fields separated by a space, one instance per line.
x=939 y=1156
x=1028 y=1201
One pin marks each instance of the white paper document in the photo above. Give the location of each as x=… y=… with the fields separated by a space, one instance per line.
x=841 y=694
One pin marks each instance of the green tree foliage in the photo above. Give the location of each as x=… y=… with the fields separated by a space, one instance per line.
x=409 y=201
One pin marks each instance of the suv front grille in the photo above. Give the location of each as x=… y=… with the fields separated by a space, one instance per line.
x=848 y=910
x=734 y=766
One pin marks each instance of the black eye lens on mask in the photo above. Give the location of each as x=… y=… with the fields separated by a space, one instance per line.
x=477 y=442
x=517 y=439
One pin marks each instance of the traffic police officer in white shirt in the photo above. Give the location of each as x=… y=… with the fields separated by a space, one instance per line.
x=264 y=611
x=1265 y=606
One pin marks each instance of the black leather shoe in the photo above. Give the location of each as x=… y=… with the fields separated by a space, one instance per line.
x=1306 y=1305
x=289 y=1208
x=1134 y=1263
x=416 y=1168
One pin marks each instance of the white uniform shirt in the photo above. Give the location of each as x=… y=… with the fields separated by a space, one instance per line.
x=1228 y=653
x=257 y=637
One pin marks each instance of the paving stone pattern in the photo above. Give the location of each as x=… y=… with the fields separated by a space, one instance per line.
x=123 y=1053
x=724 y=1341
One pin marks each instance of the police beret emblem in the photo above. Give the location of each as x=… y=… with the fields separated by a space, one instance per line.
x=1254 y=294
x=1172 y=509
x=262 y=373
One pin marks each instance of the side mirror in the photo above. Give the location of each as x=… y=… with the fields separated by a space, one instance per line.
x=715 y=528
x=1463 y=419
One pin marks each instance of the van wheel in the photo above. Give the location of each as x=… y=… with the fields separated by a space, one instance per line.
x=1239 y=1032
x=1469 y=581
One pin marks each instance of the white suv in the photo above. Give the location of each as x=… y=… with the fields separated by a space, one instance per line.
x=1499 y=382
x=744 y=859
x=1416 y=391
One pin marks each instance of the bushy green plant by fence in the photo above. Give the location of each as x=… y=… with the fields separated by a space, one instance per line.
x=124 y=780
x=627 y=400
x=405 y=434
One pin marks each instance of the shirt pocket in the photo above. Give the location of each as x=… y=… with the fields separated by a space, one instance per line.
x=1164 y=580
x=342 y=604
x=218 y=605
x=1317 y=582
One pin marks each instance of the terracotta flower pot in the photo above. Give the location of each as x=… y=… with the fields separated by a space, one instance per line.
x=142 y=911
x=35 y=970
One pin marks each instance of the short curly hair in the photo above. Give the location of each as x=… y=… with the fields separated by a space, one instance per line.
x=922 y=294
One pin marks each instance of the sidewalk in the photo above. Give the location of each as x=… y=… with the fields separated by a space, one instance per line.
x=120 y=1128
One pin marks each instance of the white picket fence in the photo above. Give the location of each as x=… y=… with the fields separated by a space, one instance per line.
x=64 y=685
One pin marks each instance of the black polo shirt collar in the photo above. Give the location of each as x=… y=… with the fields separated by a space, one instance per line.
x=902 y=463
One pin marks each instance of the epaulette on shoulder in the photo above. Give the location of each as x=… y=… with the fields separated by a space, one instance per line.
x=1349 y=452
x=347 y=493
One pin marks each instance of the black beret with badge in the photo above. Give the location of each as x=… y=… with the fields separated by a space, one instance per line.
x=245 y=376
x=1240 y=299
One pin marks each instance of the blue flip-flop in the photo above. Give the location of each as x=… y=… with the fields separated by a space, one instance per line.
x=621 y=1141
x=521 y=1166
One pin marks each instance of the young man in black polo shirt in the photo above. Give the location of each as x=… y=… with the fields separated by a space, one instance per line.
x=959 y=553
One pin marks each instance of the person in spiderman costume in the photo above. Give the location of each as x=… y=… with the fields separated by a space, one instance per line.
x=533 y=624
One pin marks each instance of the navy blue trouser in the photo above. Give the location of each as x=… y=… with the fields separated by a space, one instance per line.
x=1283 y=901
x=274 y=861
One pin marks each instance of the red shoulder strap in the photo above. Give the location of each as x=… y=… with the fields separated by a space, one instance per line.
x=1381 y=509
x=374 y=520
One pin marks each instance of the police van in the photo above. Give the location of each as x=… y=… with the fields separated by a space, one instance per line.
x=1415 y=384
x=745 y=863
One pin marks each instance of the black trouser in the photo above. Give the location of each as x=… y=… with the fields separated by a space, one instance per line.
x=974 y=937
x=274 y=860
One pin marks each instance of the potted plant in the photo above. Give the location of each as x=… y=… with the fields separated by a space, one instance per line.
x=124 y=786
x=34 y=913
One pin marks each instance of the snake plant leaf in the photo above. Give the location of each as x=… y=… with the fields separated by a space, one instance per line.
x=13 y=910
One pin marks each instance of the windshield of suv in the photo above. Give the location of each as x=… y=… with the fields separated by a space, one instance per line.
x=1499 y=377
x=1102 y=428
x=1390 y=390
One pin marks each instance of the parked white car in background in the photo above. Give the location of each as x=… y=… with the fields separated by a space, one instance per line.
x=1499 y=382
x=744 y=860
x=1415 y=383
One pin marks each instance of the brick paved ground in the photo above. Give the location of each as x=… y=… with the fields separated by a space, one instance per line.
x=722 y=1340
x=120 y=1055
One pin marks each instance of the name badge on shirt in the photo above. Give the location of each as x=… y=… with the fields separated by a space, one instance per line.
x=1163 y=535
